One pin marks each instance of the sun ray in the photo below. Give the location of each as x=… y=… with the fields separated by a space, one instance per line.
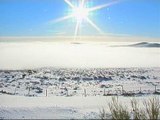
x=76 y=29
x=69 y=3
x=94 y=25
x=63 y=18
x=82 y=4
x=102 y=6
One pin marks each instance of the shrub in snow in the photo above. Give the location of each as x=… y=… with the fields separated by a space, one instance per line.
x=118 y=111
x=149 y=110
x=152 y=107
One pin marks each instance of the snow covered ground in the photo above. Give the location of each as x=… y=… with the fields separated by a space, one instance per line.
x=79 y=82
x=30 y=55
x=72 y=93
x=77 y=107
x=67 y=89
x=49 y=107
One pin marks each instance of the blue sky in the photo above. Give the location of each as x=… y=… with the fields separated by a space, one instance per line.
x=33 y=18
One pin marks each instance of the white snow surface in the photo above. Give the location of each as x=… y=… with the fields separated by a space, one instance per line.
x=19 y=107
x=29 y=55
x=49 y=107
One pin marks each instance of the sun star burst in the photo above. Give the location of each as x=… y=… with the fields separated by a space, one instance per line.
x=81 y=13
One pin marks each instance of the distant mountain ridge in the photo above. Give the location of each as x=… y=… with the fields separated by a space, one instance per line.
x=142 y=44
x=145 y=44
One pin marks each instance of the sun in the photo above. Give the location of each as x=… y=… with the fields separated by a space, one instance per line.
x=81 y=13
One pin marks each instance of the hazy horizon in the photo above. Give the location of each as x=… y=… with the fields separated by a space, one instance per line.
x=109 y=38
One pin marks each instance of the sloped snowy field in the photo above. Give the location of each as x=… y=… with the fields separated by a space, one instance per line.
x=79 y=82
x=72 y=93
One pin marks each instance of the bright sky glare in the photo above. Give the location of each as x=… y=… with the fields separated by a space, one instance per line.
x=33 y=18
x=81 y=13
